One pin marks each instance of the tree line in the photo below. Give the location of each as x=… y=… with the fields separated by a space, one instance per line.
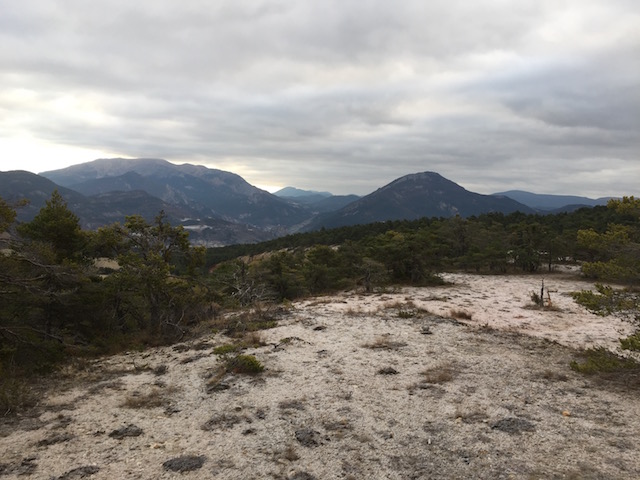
x=603 y=239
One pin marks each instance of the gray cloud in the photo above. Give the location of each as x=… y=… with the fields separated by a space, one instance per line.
x=338 y=95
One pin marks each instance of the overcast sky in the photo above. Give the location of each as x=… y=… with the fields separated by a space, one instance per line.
x=337 y=95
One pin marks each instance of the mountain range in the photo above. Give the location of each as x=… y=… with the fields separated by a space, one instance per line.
x=553 y=203
x=221 y=208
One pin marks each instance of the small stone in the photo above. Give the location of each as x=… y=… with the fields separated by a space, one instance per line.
x=513 y=425
x=388 y=371
x=308 y=437
x=302 y=476
x=80 y=472
x=52 y=440
x=218 y=387
x=128 y=431
x=186 y=463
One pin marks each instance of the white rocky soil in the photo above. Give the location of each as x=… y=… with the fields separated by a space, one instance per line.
x=380 y=386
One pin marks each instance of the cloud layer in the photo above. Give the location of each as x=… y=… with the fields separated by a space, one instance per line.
x=342 y=96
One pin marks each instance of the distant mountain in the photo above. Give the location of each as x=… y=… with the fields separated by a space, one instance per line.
x=333 y=203
x=212 y=192
x=414 y=196
x=292 y=192
x=221 y=208
x=552 y=202
x=109 y=207
x=318 y=202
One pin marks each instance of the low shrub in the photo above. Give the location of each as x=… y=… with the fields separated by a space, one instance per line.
x=632 y=342
x=601 y=360
x=247 y=364
x=226 y=349
x=15 y=395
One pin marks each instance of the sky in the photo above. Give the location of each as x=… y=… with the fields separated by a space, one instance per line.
x=334 y=95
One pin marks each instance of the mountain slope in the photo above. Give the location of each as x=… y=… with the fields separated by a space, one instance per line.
x=210 y=191
x=426 y=194
x=109 y=207
x=18 y=185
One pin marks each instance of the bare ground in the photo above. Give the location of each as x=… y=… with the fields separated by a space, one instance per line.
x=381 y=386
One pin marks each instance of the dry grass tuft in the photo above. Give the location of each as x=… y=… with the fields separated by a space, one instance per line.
x=460 y=314
x=470 y=415
x=289 y=453
x=292 y=405
x=398 y=305
x=253 y=339
x=552 y=376
x=439 y=374
x=138 y=400
x=384 y=342
x=238 y=324
x=223 y=421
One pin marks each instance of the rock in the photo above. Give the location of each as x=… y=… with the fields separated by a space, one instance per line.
x=221 y=421
x=80 y=472
x=513 y=425
x=387 y=371
x=302 y=476
x=218 y=387
x=308 y=437
x=426 y=330
x=128 y=431
x=53 y=439
x=26 y=467
x=186 y=463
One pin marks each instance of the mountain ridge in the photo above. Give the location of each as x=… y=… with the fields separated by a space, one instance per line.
x=424 y=194
x=212 y=192
x=550 y=202
x=230 y=210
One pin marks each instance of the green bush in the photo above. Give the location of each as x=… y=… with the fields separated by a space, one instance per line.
x=601 y=360
x=632 y=342
x=247 y=364
x=15 y=395
x=226 y=349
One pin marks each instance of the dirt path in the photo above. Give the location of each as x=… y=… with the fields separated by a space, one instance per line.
x=354 y=387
